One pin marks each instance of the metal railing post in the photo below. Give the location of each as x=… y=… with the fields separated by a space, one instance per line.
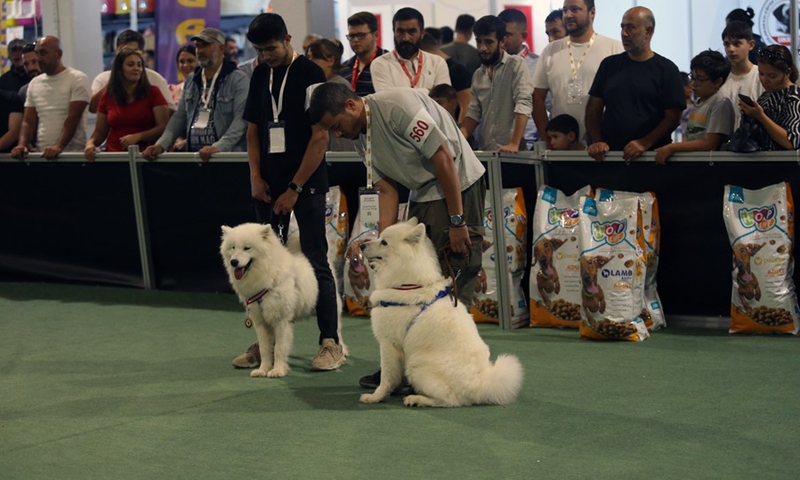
x=142 y=227
x=498 y=234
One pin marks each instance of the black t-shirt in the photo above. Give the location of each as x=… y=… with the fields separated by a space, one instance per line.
x=12 y=82
x=460 y=77
x=10 y=103
x=277 y=169
x=636 y=95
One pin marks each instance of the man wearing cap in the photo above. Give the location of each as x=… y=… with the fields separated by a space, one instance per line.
x=210 y=109
x=15 y=78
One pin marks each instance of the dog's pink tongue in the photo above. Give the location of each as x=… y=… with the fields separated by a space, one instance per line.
x=238 y=273
x=592 y=289
x=747 y=277
x=548 y=270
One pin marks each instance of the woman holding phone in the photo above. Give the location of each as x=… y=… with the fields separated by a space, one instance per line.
x=778 y=108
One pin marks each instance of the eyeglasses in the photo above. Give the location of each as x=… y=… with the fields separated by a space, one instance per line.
x=357 y=36
x=697 y=79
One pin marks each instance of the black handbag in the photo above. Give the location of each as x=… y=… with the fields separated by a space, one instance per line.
x=746 y=138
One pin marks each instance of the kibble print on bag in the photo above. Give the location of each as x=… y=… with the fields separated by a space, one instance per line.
x=514 y=224
x=612 y=268
x=555 y=281
x=652 y=239
x=760 y=227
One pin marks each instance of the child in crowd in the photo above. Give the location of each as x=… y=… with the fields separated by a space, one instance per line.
x=737 y=38
x=563 y=131
x=711 y=122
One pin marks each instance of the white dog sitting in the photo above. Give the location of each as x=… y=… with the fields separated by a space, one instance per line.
x=277 y=287
x=423 y=335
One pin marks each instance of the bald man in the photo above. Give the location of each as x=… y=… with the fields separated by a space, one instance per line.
x=55 y=107
x=637 y=97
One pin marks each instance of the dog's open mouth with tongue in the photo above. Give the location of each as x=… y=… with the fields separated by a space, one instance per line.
x=239 y=272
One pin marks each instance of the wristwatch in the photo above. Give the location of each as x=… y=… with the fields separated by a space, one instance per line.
x=295 y=187
x=456 y=220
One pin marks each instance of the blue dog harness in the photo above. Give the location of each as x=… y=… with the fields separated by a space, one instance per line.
x=443 y=293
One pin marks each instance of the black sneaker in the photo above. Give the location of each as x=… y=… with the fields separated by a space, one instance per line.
x=371 y=382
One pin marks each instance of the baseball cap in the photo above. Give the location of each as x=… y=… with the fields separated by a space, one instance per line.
x=210 y=35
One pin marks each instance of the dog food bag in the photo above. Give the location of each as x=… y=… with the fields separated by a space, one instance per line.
x=357 y=272
x=652 y=240
x=612 y=268
x=336 y=230
x=515 y=224
x=555 y=281
x=760 y=227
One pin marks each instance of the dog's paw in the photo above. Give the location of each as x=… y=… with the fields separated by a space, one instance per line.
x=417 y=401
x=258 y=373
x=278 y=372
x=370 y=398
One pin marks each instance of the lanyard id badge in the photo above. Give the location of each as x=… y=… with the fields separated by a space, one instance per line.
x=574 y=92
x=368 y=208
x=202 y=119
x=277 y=137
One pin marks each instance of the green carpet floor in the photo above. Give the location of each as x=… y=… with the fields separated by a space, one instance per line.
x=100 y=382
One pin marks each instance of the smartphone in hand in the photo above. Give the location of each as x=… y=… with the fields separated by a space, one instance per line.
x=749 y=101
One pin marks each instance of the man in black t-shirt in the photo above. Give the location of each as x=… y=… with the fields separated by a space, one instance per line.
x=637 y=97
x=287 y=171
x=10 y=120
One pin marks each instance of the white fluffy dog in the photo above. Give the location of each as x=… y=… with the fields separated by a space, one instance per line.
x=276 y=285
x=423 y=335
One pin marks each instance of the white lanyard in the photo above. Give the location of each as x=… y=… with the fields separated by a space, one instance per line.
x=276 y=109
x=205 y=96
x=368 y=150
x=572 y=59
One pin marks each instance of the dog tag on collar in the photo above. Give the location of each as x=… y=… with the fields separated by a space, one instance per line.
x=277 y=137
x=248 y=323
x=368 y=207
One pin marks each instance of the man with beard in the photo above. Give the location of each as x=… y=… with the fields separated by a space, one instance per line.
x=568 y=66
x=407 y=65
x=135 y=41
x=516 y=35
x=30 y=62
x=15 y=78
x=56 y=105
x=501 y=91
x=637 y=97
x=210 y=110
x=412 y=141
x=362 y=31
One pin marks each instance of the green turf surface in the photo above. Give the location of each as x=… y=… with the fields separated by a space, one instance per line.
x=101 y=382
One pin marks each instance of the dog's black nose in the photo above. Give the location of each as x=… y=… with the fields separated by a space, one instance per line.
x=362 y=246
x=235 y=263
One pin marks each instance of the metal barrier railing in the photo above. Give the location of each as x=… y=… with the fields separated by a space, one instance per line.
x=537 y=159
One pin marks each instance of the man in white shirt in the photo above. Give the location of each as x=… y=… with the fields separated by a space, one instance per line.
x=407 y=65
x=134 y=40
x=56 y=105
x=567 y=67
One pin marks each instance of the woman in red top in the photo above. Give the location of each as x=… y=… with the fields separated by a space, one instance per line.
x=131 y=111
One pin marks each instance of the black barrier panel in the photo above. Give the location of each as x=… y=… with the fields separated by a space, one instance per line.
x=68 y=222
x=186 y=206
x=694 y=271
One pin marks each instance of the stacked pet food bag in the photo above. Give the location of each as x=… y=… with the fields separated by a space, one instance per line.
x=760 y=226
x=514 y=223
x=595 y=263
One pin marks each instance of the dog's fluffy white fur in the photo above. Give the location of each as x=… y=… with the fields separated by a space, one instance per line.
x=256 y=261
x=439 y=349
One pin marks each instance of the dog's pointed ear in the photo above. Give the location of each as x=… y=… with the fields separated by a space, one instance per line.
x=417 y=234
x=225 y=230
x=413 y=221
x=266 y=232
x=557 y=242
x=601 y=260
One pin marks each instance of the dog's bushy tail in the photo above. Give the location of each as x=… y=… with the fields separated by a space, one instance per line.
x=502 y=381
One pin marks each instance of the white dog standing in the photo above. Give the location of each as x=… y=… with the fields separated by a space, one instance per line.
x=277 y=287
x=423 y=335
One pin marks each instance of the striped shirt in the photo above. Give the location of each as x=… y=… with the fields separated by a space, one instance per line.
x=364 y=83
x=783 y=107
